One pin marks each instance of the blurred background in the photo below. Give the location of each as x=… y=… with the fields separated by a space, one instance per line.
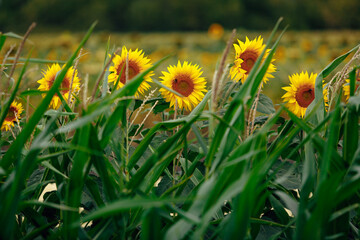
x=178 y=15
x=191 y=30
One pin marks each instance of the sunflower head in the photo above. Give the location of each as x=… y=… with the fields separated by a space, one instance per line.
x=246 y=54
x=48 y=79
x=185 y=79
x=346 y=86
x=301 y=93
x=137 y=64
x=12 y=116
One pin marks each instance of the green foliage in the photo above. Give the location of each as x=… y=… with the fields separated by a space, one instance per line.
x=295 y=178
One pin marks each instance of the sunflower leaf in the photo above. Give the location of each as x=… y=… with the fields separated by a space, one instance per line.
x=265 y=105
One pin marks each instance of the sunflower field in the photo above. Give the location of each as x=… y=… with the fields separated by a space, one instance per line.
x=227 y=140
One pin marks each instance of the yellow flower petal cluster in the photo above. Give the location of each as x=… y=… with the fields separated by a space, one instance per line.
x=185 y=79
x=12 y=116
x=246 y=54
x=49 y=77
x=301 y=93
x=137 y=63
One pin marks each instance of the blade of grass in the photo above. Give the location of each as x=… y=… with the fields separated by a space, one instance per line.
x=2 y=40
x=38 y=60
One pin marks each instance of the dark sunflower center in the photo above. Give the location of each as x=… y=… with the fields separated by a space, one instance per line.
x=65 y=84
x=305 y=95
x=133 y=71
x=249 y=59
x=183 y=84
x=11 y=114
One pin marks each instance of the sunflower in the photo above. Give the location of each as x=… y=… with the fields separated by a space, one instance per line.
x=215 y=31
x=246 y=55
x=346 y=86
x=137 y=64
x=185 y=79
x=49 y=77
x=301 y=93
x=12 y=116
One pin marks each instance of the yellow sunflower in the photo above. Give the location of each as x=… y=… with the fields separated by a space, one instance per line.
x=12 y=116
x=215 y=31
x=185 y=79
x=346 y=86
x=246 y=55
x=137 y=64
x=301 y=93
x=47 y=81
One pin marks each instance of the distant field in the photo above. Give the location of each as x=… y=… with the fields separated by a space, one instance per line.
x=298 y=51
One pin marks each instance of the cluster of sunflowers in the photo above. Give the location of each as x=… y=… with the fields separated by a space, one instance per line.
x=184 y=78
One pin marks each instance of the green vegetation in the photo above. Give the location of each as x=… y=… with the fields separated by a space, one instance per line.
x=217 y=172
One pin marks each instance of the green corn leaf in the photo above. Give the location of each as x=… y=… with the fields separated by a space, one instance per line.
x=106 y=171
x=265 y=105
x=76 y=183
x=151 y=225
x=351 y=135
x=38 y=60
x=2 y=40
x=116 y=207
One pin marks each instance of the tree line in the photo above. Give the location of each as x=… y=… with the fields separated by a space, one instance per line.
x=178 y=15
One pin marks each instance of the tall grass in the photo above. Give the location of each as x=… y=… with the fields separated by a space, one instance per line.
x=183 y=179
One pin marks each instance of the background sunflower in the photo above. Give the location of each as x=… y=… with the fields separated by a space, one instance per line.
x=47 y=81
x=246 y=55
x=185 y=79
x=301 y=93
x=137 y=64
x=12 y=116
